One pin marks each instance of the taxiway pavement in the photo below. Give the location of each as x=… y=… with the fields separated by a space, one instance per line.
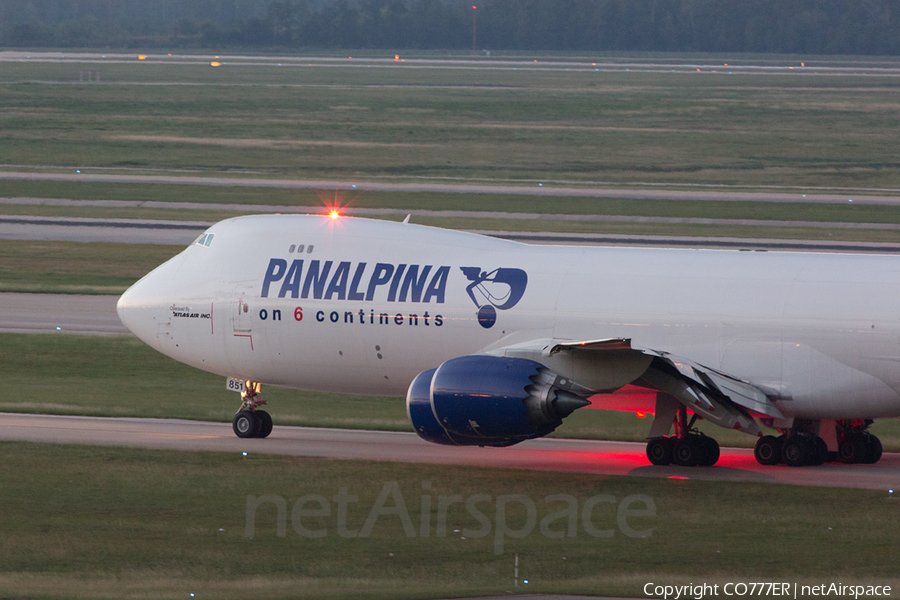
x=545 y=454
x=527 y=189
x=60 y=313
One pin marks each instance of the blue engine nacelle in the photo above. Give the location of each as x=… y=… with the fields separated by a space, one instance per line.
x=488 y=401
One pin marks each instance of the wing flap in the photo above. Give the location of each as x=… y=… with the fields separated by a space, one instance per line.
x=746 y=395
x=742 y=393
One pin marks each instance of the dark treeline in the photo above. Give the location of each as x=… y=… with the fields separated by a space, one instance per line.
x=775 y=26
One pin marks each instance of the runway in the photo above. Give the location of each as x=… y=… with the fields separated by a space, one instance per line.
x=546 y=454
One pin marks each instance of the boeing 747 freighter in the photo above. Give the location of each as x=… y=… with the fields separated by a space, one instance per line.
x=495 y=342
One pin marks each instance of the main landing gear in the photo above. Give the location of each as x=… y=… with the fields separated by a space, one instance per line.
x=858 y=446
x=250 y=421
x=686 y=448
x=795 y=449
x=802 y=445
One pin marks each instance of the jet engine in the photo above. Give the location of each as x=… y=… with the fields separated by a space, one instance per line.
x=488 y=401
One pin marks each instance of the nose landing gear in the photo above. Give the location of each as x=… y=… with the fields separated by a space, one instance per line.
x=250 y=421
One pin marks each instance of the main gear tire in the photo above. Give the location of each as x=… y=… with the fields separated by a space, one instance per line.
x=797 y=452
x=852 y=449
x=660 y=451
x=768 y=450
x=873 y=449
x=265 y=423
x=709 y=451
x=687 y=452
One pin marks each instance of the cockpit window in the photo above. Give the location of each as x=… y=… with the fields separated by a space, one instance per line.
x=205 y=239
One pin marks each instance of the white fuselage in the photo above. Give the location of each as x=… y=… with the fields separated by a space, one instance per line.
x=820 y=333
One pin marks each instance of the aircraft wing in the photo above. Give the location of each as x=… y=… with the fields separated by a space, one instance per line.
x=741 y=392
x=608 y=364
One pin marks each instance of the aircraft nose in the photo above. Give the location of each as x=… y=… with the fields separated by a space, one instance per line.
x=141 y=306
x=128 y=309
x=120 y=309
x=138 y=313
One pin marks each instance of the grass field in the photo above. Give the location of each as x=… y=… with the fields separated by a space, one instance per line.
x=71 y=267
x=120 y=523
x=121 y=376
x=347 y=120
x=518 y=123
